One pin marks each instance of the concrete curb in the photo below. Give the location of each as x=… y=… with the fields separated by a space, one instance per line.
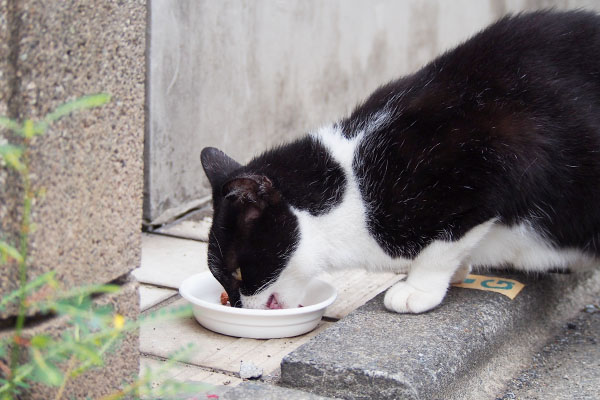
x=469 y=347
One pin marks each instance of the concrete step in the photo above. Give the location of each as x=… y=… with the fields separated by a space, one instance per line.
x=468 y=348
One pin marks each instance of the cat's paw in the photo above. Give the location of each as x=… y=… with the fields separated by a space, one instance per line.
x=405 y=298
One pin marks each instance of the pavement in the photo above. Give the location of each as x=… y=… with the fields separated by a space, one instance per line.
x=478 y=344
x=567 y=367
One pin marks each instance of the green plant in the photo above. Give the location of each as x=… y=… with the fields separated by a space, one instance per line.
x=93 y=330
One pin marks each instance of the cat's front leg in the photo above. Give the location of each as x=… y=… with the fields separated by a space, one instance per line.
x=432 y=271
x=428 y=279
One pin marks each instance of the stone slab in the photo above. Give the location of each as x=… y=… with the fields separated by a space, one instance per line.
x=257 y=390
x=188 y=229
x=214 y=350
x=193 y=225
x=91 y=162
x=355 y=288
x=152 y=295
x=168 y=261
x=373 y=353
x=120 y=365
x=182 y=372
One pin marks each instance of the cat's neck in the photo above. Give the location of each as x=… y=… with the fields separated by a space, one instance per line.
x=340 y=238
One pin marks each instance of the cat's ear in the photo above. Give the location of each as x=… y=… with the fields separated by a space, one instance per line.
x=217 y=165
x=252 y=193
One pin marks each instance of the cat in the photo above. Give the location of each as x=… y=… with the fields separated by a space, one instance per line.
x=487 y=156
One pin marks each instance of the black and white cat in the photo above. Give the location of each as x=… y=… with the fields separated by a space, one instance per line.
x=489 y=155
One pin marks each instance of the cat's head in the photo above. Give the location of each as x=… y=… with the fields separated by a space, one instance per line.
x=253 y=235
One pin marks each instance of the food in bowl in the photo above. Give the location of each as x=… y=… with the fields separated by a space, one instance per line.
x=224 y=298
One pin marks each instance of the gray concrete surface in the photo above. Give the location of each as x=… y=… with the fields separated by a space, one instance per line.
x=469 y=347
x=4 y=64
x=89 y=163
x=255 y=390
x=8 y=205
x=568 y=367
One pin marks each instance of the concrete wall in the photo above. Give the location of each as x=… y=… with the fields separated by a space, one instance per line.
x=88 y=223
x=245 y=75
x=89 y=163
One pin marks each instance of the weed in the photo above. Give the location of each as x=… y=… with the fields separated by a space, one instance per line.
x=93 y=330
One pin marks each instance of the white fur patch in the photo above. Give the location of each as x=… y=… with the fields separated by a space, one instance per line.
x=523 y=248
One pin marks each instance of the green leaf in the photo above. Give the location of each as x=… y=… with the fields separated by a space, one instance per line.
x=85 y=102
x=87 y=353
x=21 y=384
x=11 y=124
x=28 y=129
x=12 y=156
x=41 y=341
x=45 y=372
x=6 y=250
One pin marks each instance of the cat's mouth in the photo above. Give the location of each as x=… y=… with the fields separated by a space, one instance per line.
x=273 y=303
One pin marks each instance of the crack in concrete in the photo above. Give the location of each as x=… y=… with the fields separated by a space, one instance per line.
x=39 y=318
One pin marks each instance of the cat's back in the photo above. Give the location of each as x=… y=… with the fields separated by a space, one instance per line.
x=506 y=125
x=513 y=59
x=534 y=35
x=545 y=46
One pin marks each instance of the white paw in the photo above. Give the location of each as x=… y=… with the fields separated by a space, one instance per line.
x=405 y=298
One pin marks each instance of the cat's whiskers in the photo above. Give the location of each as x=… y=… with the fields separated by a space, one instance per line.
x=218 y=245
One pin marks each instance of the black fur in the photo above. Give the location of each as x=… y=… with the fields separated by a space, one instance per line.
x=505 y=126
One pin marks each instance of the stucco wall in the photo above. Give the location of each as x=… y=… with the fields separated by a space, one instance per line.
x=245 y=75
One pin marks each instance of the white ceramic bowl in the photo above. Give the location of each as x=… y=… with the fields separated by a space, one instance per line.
x=204 y=292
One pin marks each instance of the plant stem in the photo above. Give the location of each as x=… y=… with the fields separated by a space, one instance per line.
x=66 y=378
x=23 y=248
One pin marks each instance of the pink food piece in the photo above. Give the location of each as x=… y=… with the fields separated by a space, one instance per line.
x=224 y=298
